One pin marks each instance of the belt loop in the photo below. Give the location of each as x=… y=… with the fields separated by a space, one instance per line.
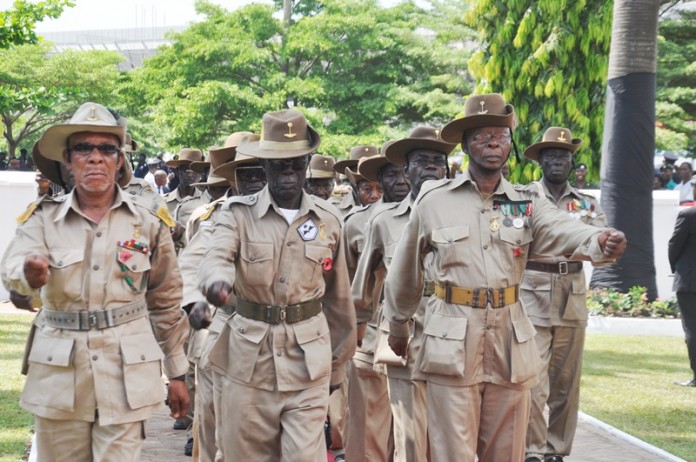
x=283 y=312
x=448 y=293
x=563 y=267
x=269 y=315
x=475 y=298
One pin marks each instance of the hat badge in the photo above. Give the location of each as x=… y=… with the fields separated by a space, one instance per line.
x=483 y=111
x=562 y=138
x=326 y=162
x=437 y=134
x=290 y=134
x=93 y=114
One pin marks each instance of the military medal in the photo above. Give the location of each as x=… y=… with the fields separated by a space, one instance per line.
x=507 y=222
x=495 y=226
x=322 y=231
x=593 y=215
x=518 y=222
x=136 y=231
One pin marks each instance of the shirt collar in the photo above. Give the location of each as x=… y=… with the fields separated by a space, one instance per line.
x=404 y=206
x=504 y=186
x=265 y=202
x=70 y=203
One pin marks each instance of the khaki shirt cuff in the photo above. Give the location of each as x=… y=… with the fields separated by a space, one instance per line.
x=28 y=290
x=176 y=364
x=399 y=330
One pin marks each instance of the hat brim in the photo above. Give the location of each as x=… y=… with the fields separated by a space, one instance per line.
x=354 y=178
x=54 y=140
x=48 y=167
x=199 y=167
x=454 y=130
x=319 y=174
x=532 y=152
x=254 y=148
x=398 y=150
x=227 y=170
x=228 y=151
x=341 y=166
x=217 y=181
x=125 y=173
x=370 y=168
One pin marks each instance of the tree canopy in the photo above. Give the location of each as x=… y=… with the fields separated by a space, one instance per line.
x=361 y=72
x=17 y=24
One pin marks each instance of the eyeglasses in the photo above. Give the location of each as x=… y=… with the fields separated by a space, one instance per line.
x=483 y=138
x=423 y=161
x=297 y=164
x=83 y=149
x=249 y=173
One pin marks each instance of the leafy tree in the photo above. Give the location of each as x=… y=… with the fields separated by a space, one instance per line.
x=17 y=24
x=549 y=59
x=359 y=71
x=38 y=89
x=676 y=83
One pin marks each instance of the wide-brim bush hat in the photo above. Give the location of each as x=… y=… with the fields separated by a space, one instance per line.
x=487 y=110
x=284 y=135
x=554 y=137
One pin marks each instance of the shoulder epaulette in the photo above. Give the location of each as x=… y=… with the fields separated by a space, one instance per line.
x=329 y=207
x=210 y=208
x=384 y=208
x=430 y=186
x=24 y=216
x=531 y=190
x=157 y=209
x=355 y=210
x=241 y=200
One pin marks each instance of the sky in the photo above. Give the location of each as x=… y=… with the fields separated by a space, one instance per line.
x=103 y=14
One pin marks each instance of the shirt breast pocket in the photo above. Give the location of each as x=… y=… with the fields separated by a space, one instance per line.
x=134 y=269
x=516 y=237
x=315 y=256
x=450 y=245
x=256 y=260
x=65 y=281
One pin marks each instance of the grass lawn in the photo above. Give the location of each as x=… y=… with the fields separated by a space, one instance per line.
x=627 y=382
x=15 y=423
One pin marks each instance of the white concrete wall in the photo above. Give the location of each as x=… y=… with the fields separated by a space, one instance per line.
x=17 y=191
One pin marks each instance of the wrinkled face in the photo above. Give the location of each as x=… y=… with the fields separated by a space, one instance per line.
x=320 y=187
x=488 y=147
x=250 y=179
x=187 y=176
x=394 y=182
x=93 y=159
x=423 y=165
x=556 y=164
x=580 y=174
x=286 y=177
x=369 y=192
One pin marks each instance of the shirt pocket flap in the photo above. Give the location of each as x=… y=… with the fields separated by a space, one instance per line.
x=524 y=329
x=450 y=234
x=311 y=330
x=516 y=236
x=450 y=327
x=134 y=261
x=534 y=281
x=52 y=351
x=579 y=286
x=250 y=330
x=138 y=349
x=317 y=253
x=254 y=252
x=65 y=257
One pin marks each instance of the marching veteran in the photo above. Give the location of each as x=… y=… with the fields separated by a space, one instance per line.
x=553 y=291
x=478 y=353
x=279 y=252
x=103 y=263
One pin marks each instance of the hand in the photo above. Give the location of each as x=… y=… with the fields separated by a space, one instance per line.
x=613 y=243
x=178 y=399
x=199 y=317
x=218 y=293
x=399 y=345
x=361 y=333
x=36 y=270
x=177 y=232
x=23 y=302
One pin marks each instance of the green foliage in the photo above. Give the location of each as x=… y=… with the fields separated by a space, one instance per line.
x=676 y=83
x=38 y=89
x=549 y=59
x=17 y=24
x=634 y=304
x=359 y=71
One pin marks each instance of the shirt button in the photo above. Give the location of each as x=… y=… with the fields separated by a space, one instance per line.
x=142 y=357
x=95 y=357
x=485 y=247
x=282 y=279
x=95 y=267
x=60 y=263
x=99 y=234
x=279 y=353
x=518 y=241
x=252 y=258
x=483 y=210
x=135 y=267
x=318 y=333
x=241 y=330
x=444 y=334
x=50 y=358
x=289 y=244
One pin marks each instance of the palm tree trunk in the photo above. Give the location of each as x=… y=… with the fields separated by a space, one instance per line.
x=628 y=145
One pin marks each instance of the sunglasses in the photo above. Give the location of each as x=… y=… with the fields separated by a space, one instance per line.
x=249 y=173
x=83 y=149
x=297 y=164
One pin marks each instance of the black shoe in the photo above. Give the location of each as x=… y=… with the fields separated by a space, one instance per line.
x=554 y=459
x=533 y=459
x=688 y=383
x=188 y=447
x=182 y=424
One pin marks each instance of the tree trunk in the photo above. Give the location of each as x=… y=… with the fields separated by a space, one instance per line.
x=628 y=146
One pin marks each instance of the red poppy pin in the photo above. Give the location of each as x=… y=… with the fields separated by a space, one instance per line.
x=327 y=264
x=517 y=251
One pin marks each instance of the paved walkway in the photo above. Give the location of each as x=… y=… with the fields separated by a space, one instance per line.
x=594 y=440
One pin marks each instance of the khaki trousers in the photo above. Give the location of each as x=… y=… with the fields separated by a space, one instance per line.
x=410 y=413
x=204 y=447
x=338 y=408
x=78 y=441
x=560 y=350
x=484 y=420
x=271 y=426
x=369 y=416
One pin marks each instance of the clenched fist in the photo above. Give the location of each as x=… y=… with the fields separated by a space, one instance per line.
x=36 y=270
x=218 y=293
x=613 y=243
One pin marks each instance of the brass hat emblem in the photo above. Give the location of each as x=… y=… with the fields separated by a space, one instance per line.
x=562 y=138
x=326 y=162
x=437 y=134
x=93 y=114
x=483 y=111
x=290 y=134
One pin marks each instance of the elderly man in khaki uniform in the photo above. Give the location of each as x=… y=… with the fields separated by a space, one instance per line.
x=348 y=201
x=103 y=263
x=553 y=291
x=321 y=177
x=478 y=353
x=422 y=156
x=280 y=253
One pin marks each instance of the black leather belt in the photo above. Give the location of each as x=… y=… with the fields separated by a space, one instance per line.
x=275 y=314
x=95 y=319
x=561 y=267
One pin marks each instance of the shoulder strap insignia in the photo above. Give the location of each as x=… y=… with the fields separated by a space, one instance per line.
x=166 y=217
x=208 y=212
x=27 y=213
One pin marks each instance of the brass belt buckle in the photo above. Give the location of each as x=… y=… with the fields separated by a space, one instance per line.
x=92 y=319
x=283 y=312
x=563 y=267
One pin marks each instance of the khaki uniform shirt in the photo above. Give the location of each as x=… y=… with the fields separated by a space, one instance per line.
x=463 y=345
x=140 y=187
x=553 y=299
x=174 y=198
x=272 y=263
x=115 y=371
x=189 y=204
x=345 y=204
